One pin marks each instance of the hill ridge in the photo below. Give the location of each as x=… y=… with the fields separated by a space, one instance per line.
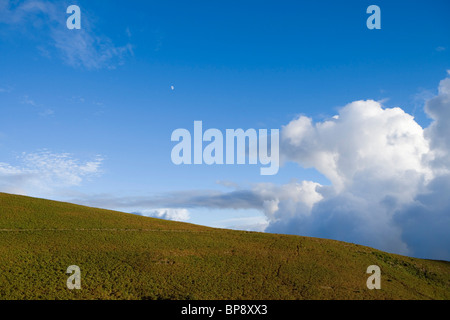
x=127 y=256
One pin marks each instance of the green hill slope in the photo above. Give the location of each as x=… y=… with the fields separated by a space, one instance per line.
x=125 y=256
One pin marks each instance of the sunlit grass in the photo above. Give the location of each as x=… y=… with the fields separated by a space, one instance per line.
x=125 y=256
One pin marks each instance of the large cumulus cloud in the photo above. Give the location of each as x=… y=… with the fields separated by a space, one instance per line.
x=390 y=181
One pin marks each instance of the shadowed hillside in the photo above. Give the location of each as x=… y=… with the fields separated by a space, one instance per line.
x=125 y=256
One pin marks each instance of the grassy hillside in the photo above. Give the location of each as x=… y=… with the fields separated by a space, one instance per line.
x=124 y=256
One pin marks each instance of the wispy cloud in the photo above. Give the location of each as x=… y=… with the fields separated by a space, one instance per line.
x=44 y=112
x=86 y=47
x=26 y=100
x=238 y=199
x=47 y=112
x=128 y=32
x=6 y=89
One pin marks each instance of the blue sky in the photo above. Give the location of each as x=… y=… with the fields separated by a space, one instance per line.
x=86 y=115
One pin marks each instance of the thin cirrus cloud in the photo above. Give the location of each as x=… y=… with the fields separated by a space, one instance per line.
x=77 y=48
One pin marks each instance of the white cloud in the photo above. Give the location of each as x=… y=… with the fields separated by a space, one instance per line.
x=175 y=214
x=290 y=198
x=349 y=146
x=45 y=173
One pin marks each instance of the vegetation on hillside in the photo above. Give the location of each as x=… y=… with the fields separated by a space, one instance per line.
x=125 y=256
